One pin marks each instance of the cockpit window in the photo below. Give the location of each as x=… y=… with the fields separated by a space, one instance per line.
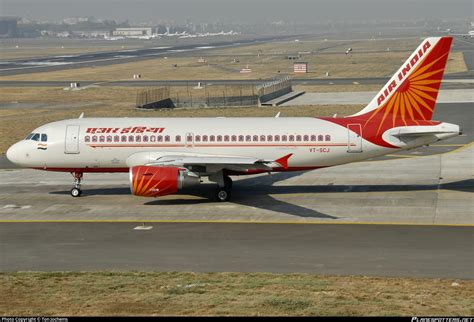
x=37 y=137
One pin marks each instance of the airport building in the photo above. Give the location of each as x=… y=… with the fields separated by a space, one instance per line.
x=132 y=32
x=8 y=27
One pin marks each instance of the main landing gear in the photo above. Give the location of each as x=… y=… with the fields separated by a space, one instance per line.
x=76 y=190
x=223 y=193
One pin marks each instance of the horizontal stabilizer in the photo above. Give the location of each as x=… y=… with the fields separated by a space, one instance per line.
x=421 y=131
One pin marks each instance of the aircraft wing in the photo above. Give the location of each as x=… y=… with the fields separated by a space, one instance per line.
x=205 y=163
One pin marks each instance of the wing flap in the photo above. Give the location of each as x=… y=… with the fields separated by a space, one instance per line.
x=177 y=160
x=208 y=163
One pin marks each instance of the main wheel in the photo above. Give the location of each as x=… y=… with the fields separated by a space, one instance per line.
x=227 y=182
x=76 y=192
x=223 y=194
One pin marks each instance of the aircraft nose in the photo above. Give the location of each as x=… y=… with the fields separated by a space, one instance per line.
x=13 y=153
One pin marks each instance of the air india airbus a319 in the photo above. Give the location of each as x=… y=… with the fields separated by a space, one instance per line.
x=165 y=155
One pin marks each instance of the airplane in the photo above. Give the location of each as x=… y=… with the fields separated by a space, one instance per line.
x=470 y=33
x=166 y=155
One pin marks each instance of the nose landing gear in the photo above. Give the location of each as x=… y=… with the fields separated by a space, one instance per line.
x=76 y=190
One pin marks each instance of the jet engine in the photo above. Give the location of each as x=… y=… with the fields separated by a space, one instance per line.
x=149 y=181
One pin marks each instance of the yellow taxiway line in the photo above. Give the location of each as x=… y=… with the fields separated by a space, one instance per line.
x=140 y=221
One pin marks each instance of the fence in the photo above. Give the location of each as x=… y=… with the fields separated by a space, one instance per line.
x=213 y=95
x=273 y=89
x=154 y=98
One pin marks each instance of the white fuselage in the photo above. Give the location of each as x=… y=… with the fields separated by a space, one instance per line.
x=109 y=144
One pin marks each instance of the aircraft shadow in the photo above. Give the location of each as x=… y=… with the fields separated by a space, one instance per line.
x=257 y=192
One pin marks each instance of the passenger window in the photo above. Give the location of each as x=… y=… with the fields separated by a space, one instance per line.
x=292 y=138
x=197 y=138
x=167 y=138
x=102 y=138
x=320 y=137
x=298 y=138
x=328 y=138
x=255 y=138
x=138 y=138
x=87 y=138
x=262 y=138
x=283 y=138
x=178 y=138
x=44 y=138
x=116 y=138
x=159 y=138
x=306 y=138
x=109 y=138
x=269 y=138
x=130 y=138
x=226 y=138
x=234 y=138
x=124 y=138
x=94 y=138
x=152 y=138
x=219 y=138
x=241 y=138
x=313 y=137
x=248 y=138
x=277 y=138
x=204 y=138
x=212 y=138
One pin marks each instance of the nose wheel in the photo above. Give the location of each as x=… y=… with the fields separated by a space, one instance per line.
x=76 y=190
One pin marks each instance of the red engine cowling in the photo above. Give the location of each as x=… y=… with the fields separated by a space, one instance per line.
x=148 y=181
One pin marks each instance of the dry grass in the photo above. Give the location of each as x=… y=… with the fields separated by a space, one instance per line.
x=364 y=65
x=58 y=95
x=115 y=293
x=270 y=63
x=337 y=88
x=322 y=46
x=456 y=63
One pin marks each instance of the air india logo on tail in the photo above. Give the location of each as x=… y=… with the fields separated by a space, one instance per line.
x=410 y=96
x=413 y=101
x=401 y=75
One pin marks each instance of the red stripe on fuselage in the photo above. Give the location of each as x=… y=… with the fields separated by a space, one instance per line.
x=212 y=145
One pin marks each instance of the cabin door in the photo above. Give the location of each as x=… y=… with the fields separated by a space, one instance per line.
x=72 y=139
x=354 y=138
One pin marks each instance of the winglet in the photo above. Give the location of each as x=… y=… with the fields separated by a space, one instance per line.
x=283 y=161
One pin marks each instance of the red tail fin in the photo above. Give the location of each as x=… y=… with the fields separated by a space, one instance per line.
x=410 y=95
